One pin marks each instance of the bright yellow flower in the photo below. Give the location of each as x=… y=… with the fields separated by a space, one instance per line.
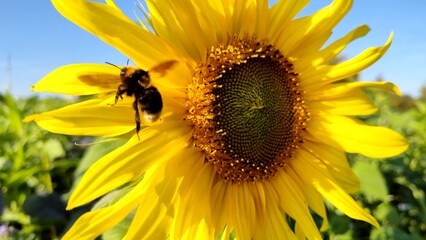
x=255 y=124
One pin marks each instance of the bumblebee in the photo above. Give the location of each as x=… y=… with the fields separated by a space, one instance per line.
x=136 y=82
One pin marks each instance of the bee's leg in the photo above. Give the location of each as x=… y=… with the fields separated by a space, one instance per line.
x=119 y=94
x=137 y=117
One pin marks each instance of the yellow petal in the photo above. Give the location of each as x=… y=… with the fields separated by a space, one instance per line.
x=109 y=24
x=80 y=79
x=202 y=231
x=291 y=33
x=323 y=56
x=316 y=77
x=258 y=192
x=128 y=162
x=220 y=204
x=97 y=117
x=174 y=21
x=111 y=3
x=212 y=22
x=221 y=12
x=332 y=50
x=312 y=171
x=339 y=90
x=153 y=218
x=319 y=29
x=244 y=211
x=282 y=12
x=151 y=221
x=94 y=117
x=274 y=224
x=228 y=195
x=194 y=192
x=92 y=224
x=250 y=18
x=354 y=136
x=299 y=232
x=294 y=204
x=262 y=21
x=314 y=199
x=337 y=164
x=355 y=103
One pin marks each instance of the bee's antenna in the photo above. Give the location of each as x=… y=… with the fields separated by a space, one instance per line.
x=128 y=62
x=113 y=65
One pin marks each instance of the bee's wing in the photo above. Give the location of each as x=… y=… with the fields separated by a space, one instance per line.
x=163 y=67
x=82 y=79
x=102 y=81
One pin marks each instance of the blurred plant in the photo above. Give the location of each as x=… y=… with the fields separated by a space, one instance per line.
x=422 y=93
x=36 y=167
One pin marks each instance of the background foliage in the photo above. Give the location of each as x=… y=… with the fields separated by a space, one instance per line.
x=38 y=170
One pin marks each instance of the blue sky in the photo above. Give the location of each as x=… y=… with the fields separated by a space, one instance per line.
x=37 y=40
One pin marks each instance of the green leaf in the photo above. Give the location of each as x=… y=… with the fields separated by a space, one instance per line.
x=387 y=214
x=119 y=230
x=54 y=149
x=373 y=184
x=2 y=205
x=93 y=153
x=339 y=224
x=12 y=113
x=22 y=176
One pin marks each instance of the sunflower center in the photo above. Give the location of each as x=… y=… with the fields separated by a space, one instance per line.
x=255 y=111
x=247 y=110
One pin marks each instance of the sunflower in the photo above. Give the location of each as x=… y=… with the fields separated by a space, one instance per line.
x=254 y=129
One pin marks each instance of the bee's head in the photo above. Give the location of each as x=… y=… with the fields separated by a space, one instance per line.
x=123 y=72
x=127 y=72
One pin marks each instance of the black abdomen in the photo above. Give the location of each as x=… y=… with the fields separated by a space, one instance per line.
x=150 y=100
